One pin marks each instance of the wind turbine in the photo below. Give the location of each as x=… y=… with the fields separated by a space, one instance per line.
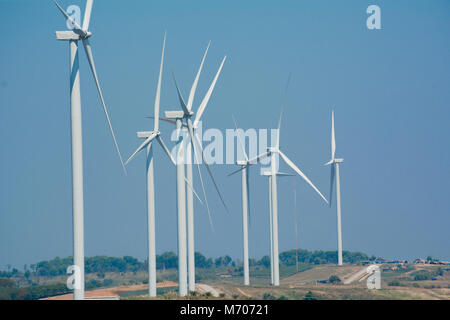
x=334 y=163
x=80 y=33
x=244 y=168
x=149 y=137
x=273 y=173
x=178 y=116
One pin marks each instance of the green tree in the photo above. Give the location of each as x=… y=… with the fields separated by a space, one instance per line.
x=268 y=296
x=310 y=296
x=265 y=261
x=334 y=279
x=422 y=275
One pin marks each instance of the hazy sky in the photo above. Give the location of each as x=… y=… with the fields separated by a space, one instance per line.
x=389 y=89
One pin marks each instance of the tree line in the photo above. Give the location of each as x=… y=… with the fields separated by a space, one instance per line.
x=11 y=287
x=169 y=260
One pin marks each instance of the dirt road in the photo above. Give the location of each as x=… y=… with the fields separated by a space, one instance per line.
x=113 y=293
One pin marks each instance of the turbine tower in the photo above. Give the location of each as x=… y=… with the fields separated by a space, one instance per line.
x=334 y=163
x=268 y=174
x=80 y=33
x=149 y=136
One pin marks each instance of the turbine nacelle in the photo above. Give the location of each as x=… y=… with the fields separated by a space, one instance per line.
x=67 y=36
x=146 y=134
x=333 y=161
x=177 y=114
x=72 y=35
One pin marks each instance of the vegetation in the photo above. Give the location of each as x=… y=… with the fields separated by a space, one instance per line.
x=320 y=257
x=334 y=279
x=394 y=283
x=168 y=260
x=47 y=278
x=422 y=275
x=33 y=292
x=268 y=296
x=310 y=296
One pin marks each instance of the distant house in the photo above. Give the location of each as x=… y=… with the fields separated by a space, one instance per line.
x=420 y=261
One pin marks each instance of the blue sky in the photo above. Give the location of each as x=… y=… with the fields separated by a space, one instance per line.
x=389 y=89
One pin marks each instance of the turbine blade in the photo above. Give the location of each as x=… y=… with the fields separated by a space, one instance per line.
x=333 y=138
x=180 y=97
x=210 y=174
x=283 y=103
x=284 y=174
x=248 y=196
x=88 y=49
x=193 y=190
x=158 y=90
x=205 y=101
x=301 y=174
x=238 y=170
x=166 y=120
x=239 y=139
x=194 y=85
x=259 y=158
x=87 y=14
x=204 y=195
x=279 y=126
x=141 y=147
x=333 y=172
x=194 y=151
x=166 y=150
x=66 y=15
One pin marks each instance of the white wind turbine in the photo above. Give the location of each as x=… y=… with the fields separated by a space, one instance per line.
x=244 y=168
x=194 y=147
x=273 y=199
x=80 y=33
x=149 y=136
x=335 y=170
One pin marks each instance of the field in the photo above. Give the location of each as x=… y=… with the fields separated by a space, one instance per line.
x=396 y=284
x=126 y=278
